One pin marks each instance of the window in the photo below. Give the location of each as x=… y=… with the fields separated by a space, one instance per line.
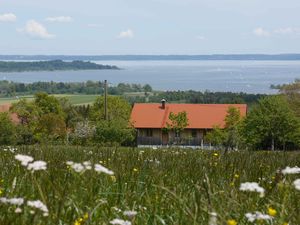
x=194 y=133
x=149 y=132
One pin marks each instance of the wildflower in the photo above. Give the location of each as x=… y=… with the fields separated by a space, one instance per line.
x=231 y=222
x=18 y=210
x=130 y=214
x=37 y=165
x=116 y=209
x=87 y=165
x=236 y=176
x=78 y=167
x=272 y=212
x=85 y=216
x=120 y=222
x=12 y=201
x=69 y=163
x=216 y=154
x=113 y=178
x=291 y=170
x=101 y=169
x=38 y=205
x=135 y=170
x=297 y=184
x=24 y=159
x=253 y=187
x=257 y=216
x=213 y=218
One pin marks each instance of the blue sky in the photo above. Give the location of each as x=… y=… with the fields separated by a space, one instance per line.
x=149 y=26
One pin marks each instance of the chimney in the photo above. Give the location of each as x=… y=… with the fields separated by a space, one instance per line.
x=163 y=103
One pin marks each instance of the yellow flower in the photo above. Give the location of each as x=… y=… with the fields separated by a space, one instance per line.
x=135 y=169
x=271 y=211
x=77 y=222
x=216 y=154
x=285 y=223
x=86 y=216
x=1 y=192
x=231 y=222
x=113 y=178
x=236 y=175
x=231 y=183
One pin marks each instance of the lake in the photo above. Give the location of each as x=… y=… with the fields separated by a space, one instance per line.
x=234 y=76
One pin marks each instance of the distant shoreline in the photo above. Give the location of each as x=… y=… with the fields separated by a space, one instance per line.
x=237 y=57
x=52 y=65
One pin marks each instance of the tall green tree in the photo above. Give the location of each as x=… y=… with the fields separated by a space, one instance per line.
x=7 y=130
x=178 y=122
x=116 y=129
x=292 y=94
x=228 y=137
x=271 y=124
x=232 y=128
x=117 y=109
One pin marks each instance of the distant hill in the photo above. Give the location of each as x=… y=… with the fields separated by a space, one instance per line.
x=13 y=66
x=260 y=57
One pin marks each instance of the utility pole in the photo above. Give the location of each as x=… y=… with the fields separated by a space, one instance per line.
x=105 y=100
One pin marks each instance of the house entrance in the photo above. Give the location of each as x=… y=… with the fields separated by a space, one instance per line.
x=165 y=138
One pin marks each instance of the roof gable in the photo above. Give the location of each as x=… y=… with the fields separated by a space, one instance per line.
x=200 y=116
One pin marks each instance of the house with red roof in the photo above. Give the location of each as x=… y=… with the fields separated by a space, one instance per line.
x=150 y=119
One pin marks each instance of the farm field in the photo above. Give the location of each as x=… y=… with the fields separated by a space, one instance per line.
x=75 y=99
x=97 y=185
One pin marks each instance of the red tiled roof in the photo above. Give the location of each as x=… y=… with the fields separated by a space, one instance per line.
x=13 y=116
x=200 y=116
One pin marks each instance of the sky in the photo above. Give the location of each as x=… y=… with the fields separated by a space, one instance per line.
x=96 y=27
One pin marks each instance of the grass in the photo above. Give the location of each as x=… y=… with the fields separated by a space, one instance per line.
x=164 y=186
x=74 y=99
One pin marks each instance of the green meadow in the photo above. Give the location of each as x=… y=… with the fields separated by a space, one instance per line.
x=163 y=186
x=74 y=99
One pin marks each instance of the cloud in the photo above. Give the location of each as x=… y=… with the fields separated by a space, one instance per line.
x=285 y=31
x=261 y=32
x=201 y=38
x=60 y=19
x=8 y=17
x=126 y=34
x=36 y=30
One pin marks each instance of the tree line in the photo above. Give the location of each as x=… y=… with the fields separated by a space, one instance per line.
x=8 y=88
x=272 y=124
x=48 y=119
x=53 y=65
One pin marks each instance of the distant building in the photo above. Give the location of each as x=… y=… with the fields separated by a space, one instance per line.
x=150 y=118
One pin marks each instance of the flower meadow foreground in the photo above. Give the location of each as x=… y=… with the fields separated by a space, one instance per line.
x=95 y=185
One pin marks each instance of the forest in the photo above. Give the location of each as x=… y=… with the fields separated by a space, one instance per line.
x=53 y=65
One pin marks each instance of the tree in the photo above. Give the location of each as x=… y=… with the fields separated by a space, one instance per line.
x=7 y=130
x=232 y=125
x=117 y=109
x=116 y=129
x=230 y=136
x=272 y=124
x=26 y=111
x=178 y=123
x=48 y=104
x=50 y=127
x=292 y=94
x=216 y=137
x=114 y=133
